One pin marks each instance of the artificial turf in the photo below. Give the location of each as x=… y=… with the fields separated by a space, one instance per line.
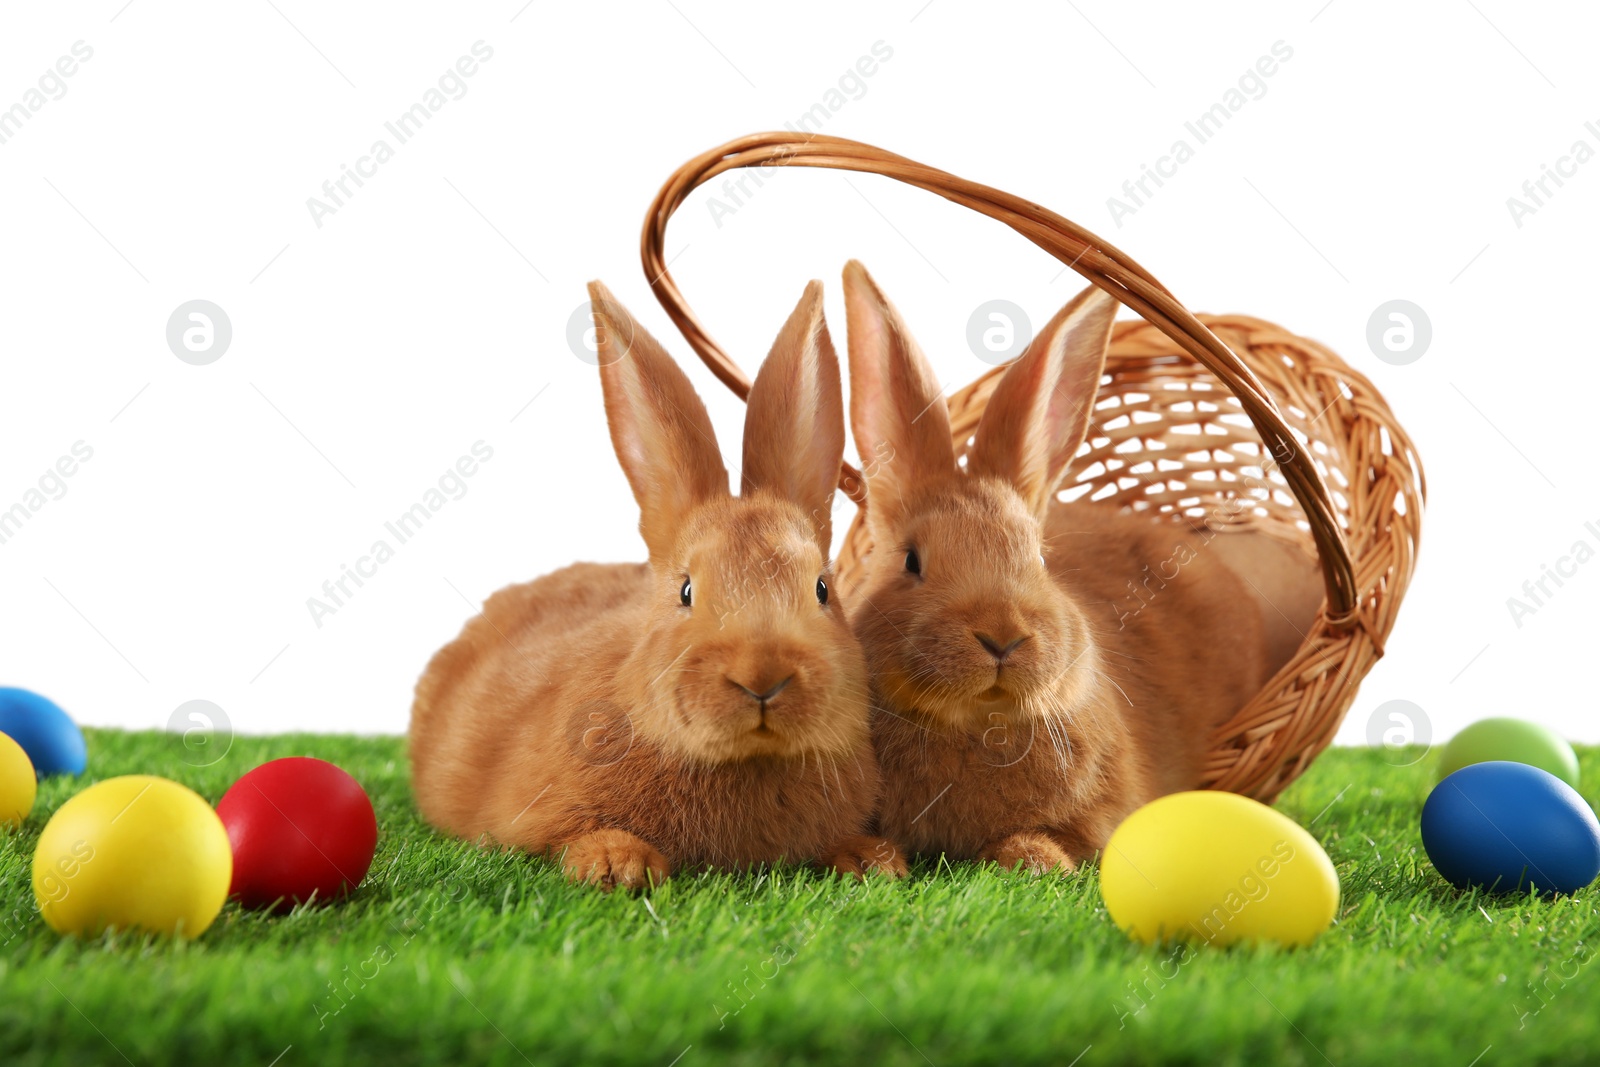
x=452 y=955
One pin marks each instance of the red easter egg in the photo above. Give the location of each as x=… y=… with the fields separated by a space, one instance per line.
x=300 y=828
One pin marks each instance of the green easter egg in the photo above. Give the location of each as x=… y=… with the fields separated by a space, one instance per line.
x=1513 y=740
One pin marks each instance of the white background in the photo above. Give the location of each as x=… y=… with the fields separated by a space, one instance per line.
x=425 y=314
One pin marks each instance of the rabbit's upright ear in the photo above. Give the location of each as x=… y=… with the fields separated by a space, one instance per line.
x=897 y=409
x=794 y=428
x=1038 y=415
x=659 y=427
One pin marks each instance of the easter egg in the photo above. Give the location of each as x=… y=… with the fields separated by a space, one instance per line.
x=18 y=783
x=136 y=852
x=1505 y=826
x=1215 y=868
x=1513 y=740
x=48 y=735
x=302 y=829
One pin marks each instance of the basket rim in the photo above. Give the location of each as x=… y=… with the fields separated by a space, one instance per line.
x=1097 y=260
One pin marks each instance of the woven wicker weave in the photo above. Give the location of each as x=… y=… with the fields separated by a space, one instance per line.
x=1218 y=421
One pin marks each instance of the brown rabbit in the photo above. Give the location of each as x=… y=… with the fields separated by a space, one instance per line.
x=706 y=708
x=1021 y=709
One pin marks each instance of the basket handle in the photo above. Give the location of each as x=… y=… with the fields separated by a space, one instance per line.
x=1100 y=262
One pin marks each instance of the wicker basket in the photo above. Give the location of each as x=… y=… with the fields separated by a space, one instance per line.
x=1219 y=421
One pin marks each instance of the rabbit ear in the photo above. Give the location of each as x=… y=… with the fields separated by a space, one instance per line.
x=659 y=427
x=1039 y=413
x=897 y=409
x=794 y=428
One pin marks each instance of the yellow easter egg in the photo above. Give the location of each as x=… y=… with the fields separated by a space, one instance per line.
x=137 y=852
x=1209 y=867
x=18 y=783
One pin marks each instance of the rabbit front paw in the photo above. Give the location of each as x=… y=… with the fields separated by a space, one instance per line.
x=612 y=858
x=1032 y=853
x=860 y=855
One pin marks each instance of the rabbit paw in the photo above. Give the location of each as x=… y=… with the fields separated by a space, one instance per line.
x=859 y=855
x=1034 y=853
x=612 y=858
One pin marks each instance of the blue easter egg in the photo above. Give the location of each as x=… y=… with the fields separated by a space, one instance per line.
x=1504 y=827
x=47 y=734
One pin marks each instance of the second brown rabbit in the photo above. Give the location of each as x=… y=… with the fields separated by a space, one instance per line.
x=1021 y=710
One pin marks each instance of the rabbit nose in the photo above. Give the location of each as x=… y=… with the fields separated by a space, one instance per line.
x=763 y=697
x=996 y=649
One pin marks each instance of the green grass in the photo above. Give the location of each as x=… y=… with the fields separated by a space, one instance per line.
x=480 y=957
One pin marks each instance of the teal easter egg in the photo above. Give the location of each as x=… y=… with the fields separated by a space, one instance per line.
x=1514 y=741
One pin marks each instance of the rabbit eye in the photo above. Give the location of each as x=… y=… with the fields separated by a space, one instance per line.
x=686 y=594
x=1042 y=561
x=822 y=591
x=913 y=562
